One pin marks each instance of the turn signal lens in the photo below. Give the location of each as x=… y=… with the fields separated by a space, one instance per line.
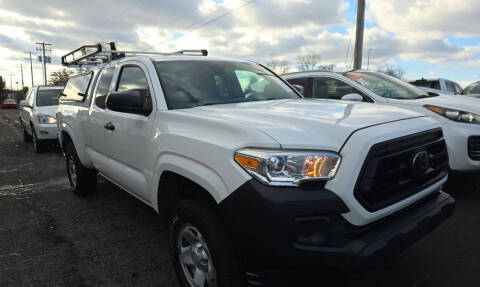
x=246 y=162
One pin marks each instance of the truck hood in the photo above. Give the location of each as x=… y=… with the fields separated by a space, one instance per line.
x=305 y=124
x=457 y=102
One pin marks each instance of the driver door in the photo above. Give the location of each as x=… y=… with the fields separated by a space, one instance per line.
x=129 y=137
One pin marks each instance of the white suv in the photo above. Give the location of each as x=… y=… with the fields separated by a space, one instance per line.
x=37 y=116
x=250 y=174
x=458 y=115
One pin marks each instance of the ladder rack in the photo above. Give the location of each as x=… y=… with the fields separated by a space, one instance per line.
x=89 y=56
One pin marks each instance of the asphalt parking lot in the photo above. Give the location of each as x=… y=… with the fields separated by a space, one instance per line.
x=50 y=237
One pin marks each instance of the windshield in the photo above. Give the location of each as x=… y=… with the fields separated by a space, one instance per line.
x=473 y=89
x=386 y=86
x=48 y=97
x=188 y=84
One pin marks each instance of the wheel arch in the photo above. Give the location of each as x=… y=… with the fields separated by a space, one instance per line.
x=179 y=176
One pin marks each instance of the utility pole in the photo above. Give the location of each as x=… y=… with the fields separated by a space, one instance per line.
x=21 y=73
x=357 y=58
x=11 y=85
x=43 y=44
x=31 y=66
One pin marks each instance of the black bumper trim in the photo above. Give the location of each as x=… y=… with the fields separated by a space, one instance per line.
x=263 y=221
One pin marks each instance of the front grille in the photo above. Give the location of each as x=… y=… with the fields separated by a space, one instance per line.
x=474 y=147
x=388 y=174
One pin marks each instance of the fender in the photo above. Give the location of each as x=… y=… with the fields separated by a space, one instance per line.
x=193 y=170
x=66 y=128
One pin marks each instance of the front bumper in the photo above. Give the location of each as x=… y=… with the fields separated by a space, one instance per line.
x=456 y=137
x=46 y=131
x=277 y=227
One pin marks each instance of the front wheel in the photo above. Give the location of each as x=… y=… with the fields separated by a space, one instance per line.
x=82 y=179
x=202 y=252
x=26 y=137
x=37 y=144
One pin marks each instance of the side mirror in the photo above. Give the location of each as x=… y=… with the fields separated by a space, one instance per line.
x=300 y=89
x=24 y=104
x=130 y=101
x=352 y=97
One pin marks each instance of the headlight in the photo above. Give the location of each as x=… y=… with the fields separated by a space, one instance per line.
x=456 y=115
x=44 y=119
x=288 y=167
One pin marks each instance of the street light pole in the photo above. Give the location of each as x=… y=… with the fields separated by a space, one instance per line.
x=368 y=63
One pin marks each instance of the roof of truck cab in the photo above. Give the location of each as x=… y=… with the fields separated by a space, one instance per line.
x=193 y=58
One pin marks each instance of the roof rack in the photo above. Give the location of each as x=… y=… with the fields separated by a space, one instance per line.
x=89 y=56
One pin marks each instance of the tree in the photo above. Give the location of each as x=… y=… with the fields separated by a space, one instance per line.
x=3 y=92
x=59 y=78
x=308 y=62
x=394 y=72
x=329 y=67
x=278 y=66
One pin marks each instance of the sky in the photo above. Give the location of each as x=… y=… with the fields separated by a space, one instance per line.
x=426 y=38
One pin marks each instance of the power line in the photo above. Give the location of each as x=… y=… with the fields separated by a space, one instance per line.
x=120 y=13
x=191 y=29
x=182 y=16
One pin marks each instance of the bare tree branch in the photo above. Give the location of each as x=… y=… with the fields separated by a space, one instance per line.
x=308 y=62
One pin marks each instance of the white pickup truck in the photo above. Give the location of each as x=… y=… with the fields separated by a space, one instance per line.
x=250 y=174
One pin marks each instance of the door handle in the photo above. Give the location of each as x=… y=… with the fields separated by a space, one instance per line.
x=109 y=126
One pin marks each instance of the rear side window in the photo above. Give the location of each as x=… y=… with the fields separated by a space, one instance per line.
x=427 y=84
x=77 y=87
x=328 y=88
x=304 y=82
x=48 y=97
x=103 y=87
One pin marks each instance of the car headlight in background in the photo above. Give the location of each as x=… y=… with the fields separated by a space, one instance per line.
x=455 y=115
x=288 y=168
x=44 y=119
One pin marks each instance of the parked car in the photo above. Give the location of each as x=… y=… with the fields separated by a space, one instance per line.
x=472 y=90
x=458 y=115
x=9 y=104
x=37 y=116
x=249 y=173
x=438 y=86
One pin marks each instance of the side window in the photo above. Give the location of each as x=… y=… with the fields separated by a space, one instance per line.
x=103 y=87
x=304 y=82
x=133 y=78
x=450 y=86
x=329 y=88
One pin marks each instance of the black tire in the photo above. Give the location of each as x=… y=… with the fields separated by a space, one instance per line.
x=204 y=218
x=26 y=137
x=38 y=146
x=82 y=179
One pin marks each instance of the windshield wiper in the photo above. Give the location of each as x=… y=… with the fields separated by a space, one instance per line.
x=428 y=96
x=219 y=103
